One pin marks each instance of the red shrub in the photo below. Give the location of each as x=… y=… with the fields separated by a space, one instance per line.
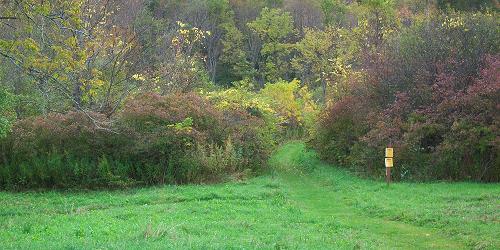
x=445 y=130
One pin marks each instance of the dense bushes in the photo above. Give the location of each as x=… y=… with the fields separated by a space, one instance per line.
x=154 y=140
x=47 y=151
x=286 y=107
x=434 y=95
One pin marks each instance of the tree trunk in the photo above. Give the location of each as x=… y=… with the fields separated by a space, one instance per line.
x=77 y=95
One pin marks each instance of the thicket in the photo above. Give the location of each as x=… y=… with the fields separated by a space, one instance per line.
x=287 y=108
x=154 y=140
x=433 y=93
x=157 y=139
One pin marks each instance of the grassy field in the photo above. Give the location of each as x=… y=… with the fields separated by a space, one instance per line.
x=303 y=204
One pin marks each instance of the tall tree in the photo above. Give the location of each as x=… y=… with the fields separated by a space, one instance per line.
x=275 y=28
x=334 y=12
x=316 y=56
x=75 y=56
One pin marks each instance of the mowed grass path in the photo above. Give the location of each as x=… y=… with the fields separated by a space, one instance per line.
x=304 y=204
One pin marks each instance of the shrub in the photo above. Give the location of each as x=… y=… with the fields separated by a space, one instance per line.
x=161 y=131
x=155 y=139
x=285 y=107
x=151 y=112
x=436 y=103
x=55 y=151
x=292 y=103
x=451 y=134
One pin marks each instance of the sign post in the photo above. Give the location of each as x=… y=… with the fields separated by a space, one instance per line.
x=389 y=163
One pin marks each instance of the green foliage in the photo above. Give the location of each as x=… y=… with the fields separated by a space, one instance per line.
x=284 y=106
x=217 y=160
x=233 y=57
x=234 y=54
x=316 y=54
x=78 y=79
x=333 y=11
x=66 y=54
x=379 y=20
x=274 y=27
x=72 y=159
x=178 y=138
x=56 y=55
x=467 y=4
x=293 y=104
x=6 y=112
x=185 y=125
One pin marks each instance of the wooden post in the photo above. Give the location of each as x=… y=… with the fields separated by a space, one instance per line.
x=388 y=175
x=389 y=163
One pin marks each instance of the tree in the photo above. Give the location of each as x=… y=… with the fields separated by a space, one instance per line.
x=6 y=112
x=274 y=27
x=183 y=70
x=305 y=13
x=293 y=104
x=333 y=11
x=225 y=44
x=316 y=54
x=72 y=51
x=234 y=55
x=380 y=18
x=43 y=43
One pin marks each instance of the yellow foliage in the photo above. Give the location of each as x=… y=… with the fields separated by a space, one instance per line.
x=282 y=103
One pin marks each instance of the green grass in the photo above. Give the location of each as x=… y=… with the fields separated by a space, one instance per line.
x=304 y=204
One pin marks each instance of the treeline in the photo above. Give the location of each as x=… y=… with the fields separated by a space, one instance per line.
x=115 y=93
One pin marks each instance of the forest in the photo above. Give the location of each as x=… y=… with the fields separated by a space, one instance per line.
x=119 y=93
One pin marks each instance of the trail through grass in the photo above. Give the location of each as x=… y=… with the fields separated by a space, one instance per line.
x=403 y=215
x=304 y=204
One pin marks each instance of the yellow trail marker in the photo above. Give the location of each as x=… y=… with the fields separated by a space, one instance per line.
x=389 y=163
x=389 y=152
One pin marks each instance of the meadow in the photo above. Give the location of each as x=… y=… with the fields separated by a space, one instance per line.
x=301 y=203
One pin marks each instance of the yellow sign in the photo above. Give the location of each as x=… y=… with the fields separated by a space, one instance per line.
x=389 y=163
x=389 y=152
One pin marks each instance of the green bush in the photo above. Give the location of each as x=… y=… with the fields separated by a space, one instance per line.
x=155 y=139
